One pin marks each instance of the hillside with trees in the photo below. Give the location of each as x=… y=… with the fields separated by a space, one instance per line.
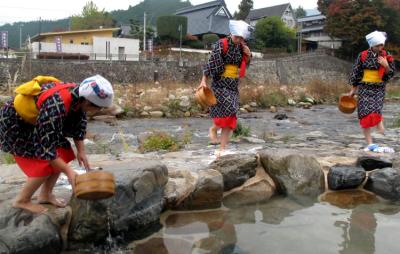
x=153 y=9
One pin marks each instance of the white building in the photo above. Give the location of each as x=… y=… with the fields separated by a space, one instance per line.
x=96 y=44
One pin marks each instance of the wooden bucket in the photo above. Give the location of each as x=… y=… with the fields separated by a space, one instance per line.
x=95 y=185
x=347 y=104
x=205 y=97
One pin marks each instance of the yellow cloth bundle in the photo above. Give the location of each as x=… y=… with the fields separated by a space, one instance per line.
x=371 y=76
x=231 y=71
x=24 y=101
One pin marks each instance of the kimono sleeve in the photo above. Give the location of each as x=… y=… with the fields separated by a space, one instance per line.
x=215 y=65
x=356 y=72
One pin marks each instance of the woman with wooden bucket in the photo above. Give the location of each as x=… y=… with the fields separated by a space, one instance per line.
x=34 y=127
x=226 y=65
x=371 y=72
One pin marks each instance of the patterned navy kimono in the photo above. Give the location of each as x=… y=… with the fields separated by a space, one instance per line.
x=371 y=95
x=225 y=89
x=52 y=128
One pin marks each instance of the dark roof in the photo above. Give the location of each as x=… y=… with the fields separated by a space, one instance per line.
x=202 y=19
x=271 y=11
x=200 y=7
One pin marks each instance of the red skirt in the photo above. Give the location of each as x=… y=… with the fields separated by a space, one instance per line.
x=41 y=168
x=224 y=122
x=370 y=120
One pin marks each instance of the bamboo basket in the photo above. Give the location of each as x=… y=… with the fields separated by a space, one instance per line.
x=347 y=104
x=95 y=185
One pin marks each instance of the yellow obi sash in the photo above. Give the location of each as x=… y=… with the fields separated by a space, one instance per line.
x=231 y=71
x=371 y=76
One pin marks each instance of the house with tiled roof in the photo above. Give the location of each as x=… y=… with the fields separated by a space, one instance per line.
x=212 y=17
x=284 y=11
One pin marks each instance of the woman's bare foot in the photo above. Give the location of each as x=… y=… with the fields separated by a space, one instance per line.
x=51 y=199
x=34 y=208
x=380 y=128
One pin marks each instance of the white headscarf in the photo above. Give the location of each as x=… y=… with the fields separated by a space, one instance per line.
x=376 y=38
x=239 y=28
x=97 y=90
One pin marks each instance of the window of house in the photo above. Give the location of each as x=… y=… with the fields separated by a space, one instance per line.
x=221 y=12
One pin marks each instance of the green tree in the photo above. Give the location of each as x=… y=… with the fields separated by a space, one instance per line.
x=300 y=12
x=168 y=27
x=271 y=32
x=137 y=30
x=91 y=18
x=244 y=8
x=351 y=20
x=209 y=39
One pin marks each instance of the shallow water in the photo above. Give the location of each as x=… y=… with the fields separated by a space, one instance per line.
x=282 y=225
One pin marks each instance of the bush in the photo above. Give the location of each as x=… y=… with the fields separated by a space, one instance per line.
x=159 y=141
x=241 y=131
x=7 y=158
x=276 y=98
x=194 y=44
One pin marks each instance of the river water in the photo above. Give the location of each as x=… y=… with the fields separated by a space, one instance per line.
x=281 y=225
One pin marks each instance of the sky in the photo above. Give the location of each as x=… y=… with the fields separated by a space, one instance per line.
x=27 y=10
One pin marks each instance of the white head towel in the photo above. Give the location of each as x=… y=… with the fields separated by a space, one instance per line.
x=376 y=38
x=239 y=28
x=97 y=90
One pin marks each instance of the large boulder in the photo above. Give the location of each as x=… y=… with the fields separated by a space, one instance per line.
x=294 y=174
x=235 y=169
x=385 y=183
x=23 y=232
x=207 y=193
x=134 y=210
x=371 y=162
x=345 y=177
x=259 y=188
x=181 y=183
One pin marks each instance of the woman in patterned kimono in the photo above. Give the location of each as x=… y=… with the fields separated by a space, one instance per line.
x=228 y=55
x=371 y=72
x=40 y=148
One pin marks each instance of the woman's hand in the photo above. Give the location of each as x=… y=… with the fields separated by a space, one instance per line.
x=352 y=91
x=81 y=154
x=203 y=83
x=82 y=160
x=382 y=61
x=246 y=50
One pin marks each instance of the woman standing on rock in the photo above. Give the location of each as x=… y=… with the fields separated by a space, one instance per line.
x=225 y=66
x=35 y=124
x=371 y=72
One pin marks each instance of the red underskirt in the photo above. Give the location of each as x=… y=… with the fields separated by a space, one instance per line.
x=41 y=168
x=224 y=122
x=370 y=120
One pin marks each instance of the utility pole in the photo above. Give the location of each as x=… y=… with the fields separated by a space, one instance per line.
x=40 y=30
x=144 y=32
x=299 y=38
x=180 y=43
x=20 y=36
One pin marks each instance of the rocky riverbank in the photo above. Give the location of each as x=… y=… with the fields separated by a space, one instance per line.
x=296 y=156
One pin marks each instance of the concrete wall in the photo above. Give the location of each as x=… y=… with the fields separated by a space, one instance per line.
x=294 y=70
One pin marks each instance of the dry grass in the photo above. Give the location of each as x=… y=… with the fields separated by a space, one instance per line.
x=326 y=92
x=134 y=97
